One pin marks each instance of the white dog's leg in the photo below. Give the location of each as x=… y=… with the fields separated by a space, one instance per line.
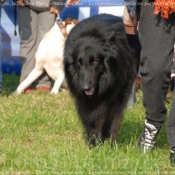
x=36 y=72
x=57 y=83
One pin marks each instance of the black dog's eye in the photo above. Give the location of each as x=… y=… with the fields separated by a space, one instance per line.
x=94 y=63
x=79 y=64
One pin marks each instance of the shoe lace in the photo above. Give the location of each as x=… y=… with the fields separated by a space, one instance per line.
x=150 y=135
x=172 y=150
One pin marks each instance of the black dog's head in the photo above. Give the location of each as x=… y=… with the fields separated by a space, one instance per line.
x=89 y=65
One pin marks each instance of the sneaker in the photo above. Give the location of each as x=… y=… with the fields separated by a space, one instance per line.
x=172 y=156
x=147 y=139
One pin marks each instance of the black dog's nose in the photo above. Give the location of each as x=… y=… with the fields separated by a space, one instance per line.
x=86 y=87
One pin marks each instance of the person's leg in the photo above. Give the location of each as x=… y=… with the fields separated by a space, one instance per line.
x=46 y=21
x=171 y=122
x=0 y=56
x=157 y=40
x=0 y=63
x=28 y=20
x=171 y=130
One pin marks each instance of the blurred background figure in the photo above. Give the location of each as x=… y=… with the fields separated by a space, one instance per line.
x=34 y=21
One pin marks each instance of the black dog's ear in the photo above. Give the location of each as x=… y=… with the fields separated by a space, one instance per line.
x=111 y=37
x=110 y=41
x=110 y=44
x=68 y=59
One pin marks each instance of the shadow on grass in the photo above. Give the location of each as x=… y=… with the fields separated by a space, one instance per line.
x=9 y=84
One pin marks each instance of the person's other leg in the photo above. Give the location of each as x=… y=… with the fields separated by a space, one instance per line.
x=157 y=40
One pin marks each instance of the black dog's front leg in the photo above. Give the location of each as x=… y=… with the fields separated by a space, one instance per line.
x=94 y=132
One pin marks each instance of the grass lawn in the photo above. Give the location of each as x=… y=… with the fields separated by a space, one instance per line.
x=42 y=134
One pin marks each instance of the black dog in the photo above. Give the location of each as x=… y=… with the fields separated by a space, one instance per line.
x=100 y=67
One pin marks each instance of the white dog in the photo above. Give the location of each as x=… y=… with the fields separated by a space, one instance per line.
x=49 y=57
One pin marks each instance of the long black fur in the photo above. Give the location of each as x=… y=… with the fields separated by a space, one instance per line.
x=101 y=64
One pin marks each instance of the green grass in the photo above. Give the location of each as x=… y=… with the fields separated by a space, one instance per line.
x=41 y=134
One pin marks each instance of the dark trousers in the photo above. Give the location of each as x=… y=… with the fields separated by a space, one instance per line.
x=171 y=123
x=157 y=39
